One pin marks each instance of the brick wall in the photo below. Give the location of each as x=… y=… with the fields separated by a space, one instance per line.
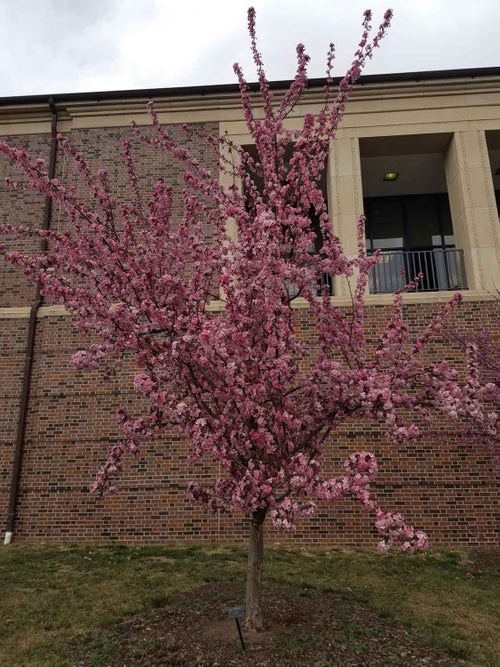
x=19 y=206
x=443 y=484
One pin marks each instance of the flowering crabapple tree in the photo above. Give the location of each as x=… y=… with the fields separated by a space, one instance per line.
x=139 y=280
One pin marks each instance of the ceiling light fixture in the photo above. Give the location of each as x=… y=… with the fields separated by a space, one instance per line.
x=391 y=176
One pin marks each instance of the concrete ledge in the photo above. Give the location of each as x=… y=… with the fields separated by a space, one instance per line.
x=24 y=312
x=297 y=304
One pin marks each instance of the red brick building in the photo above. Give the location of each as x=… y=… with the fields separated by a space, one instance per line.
x=438 y=131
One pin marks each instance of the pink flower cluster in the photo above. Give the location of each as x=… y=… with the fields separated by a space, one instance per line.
x=240 y=384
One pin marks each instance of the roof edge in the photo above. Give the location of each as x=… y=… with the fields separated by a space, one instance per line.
x=214 y=89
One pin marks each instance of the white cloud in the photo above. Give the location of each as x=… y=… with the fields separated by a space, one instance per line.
x=50 y=46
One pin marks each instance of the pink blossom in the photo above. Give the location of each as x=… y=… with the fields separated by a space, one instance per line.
x=240 y=384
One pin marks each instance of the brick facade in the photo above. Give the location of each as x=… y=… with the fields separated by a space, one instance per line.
x=443 y=484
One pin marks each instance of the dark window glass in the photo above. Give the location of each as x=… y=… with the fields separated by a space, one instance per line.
x=318 y=241
x=409 y=222
x=415 y=235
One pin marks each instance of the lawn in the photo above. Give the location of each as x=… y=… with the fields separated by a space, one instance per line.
x=166 y=605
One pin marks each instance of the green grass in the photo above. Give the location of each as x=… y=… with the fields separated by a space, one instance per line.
x=439 y=594
x=51 y=597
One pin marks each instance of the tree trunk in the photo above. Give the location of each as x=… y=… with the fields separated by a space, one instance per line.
x=253 y=618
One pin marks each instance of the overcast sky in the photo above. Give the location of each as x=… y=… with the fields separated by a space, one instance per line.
x=56 y=46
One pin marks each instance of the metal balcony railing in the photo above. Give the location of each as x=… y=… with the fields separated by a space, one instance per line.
x=443 y=269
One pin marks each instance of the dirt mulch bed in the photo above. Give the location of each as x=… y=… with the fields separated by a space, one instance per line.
x=307 y=628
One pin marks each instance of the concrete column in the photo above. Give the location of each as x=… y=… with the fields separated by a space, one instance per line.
x=473 y=209
x=345 y=198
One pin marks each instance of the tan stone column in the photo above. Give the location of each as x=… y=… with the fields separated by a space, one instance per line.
x=345 y=198
x=473 y=209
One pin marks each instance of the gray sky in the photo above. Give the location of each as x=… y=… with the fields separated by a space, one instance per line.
x=54 y=46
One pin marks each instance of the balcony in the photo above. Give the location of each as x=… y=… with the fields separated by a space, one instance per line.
x=443 y=269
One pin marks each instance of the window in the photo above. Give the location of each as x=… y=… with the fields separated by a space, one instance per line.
x=325 y=279
x=415 y=235
x=408 y=216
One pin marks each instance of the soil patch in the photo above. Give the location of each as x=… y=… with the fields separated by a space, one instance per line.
x=306 y=628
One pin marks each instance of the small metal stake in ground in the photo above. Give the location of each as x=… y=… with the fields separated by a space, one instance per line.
x=237 y=613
